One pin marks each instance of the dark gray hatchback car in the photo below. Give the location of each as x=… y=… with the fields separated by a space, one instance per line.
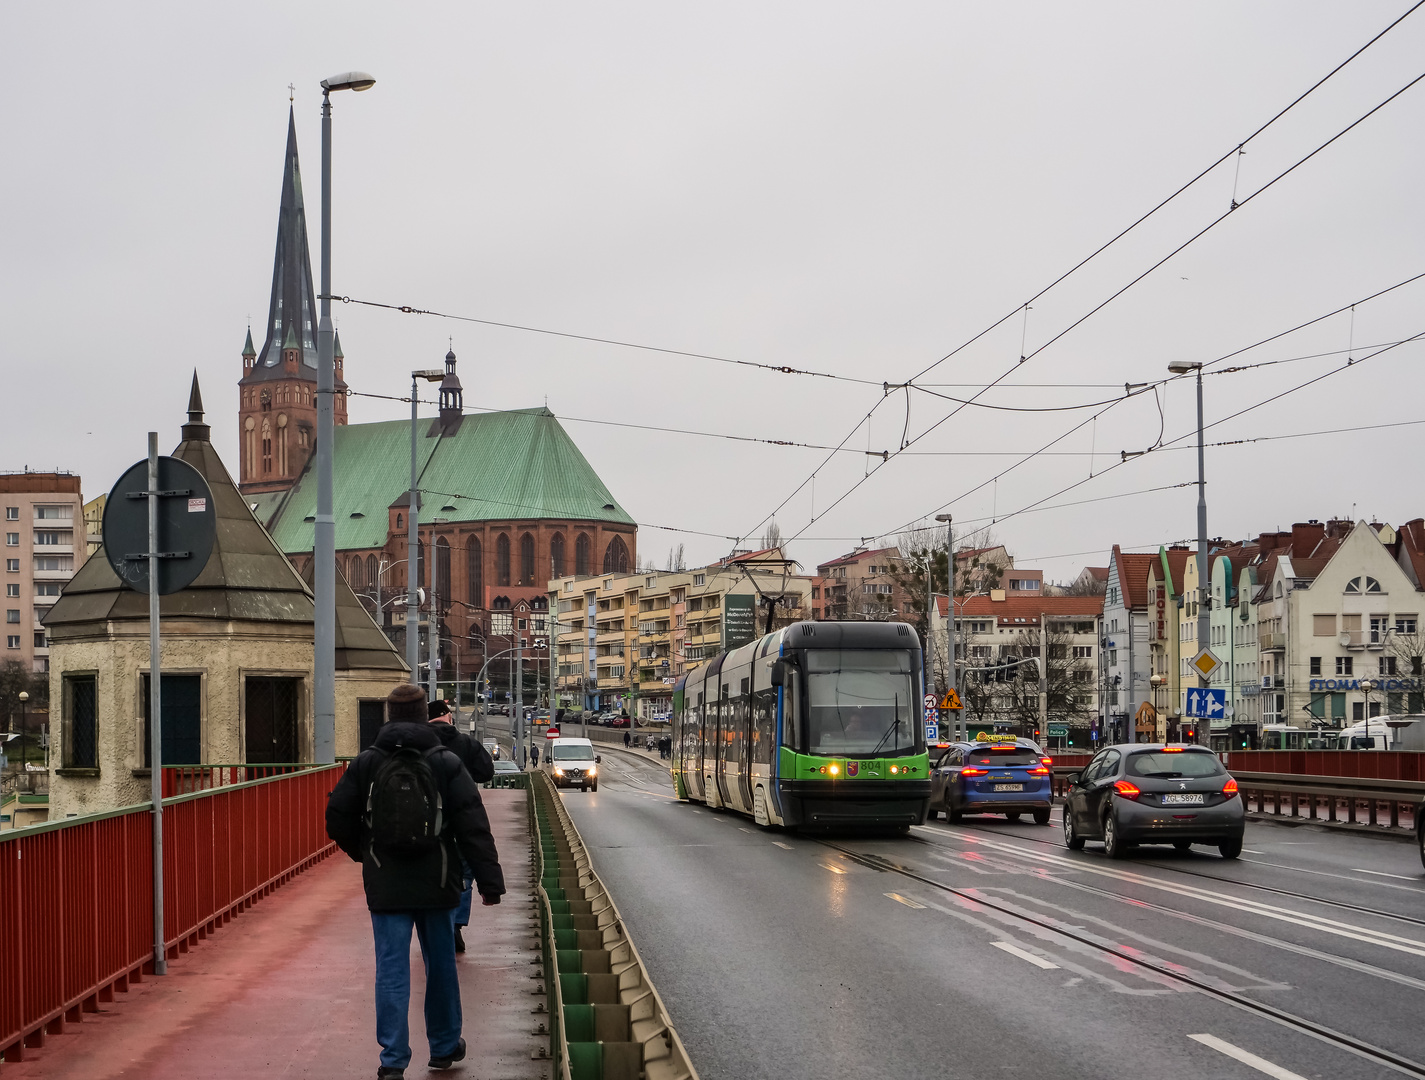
x=1140 y=793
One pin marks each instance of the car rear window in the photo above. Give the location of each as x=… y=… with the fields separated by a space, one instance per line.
x=1170 y=764
x=1019 y=755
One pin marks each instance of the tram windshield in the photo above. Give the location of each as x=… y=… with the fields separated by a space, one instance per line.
x=861 y=703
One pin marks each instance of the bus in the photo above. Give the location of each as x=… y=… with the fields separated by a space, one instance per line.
x=820 y=724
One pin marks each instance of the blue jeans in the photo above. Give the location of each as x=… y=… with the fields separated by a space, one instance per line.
x=435 y=927
x=462 y=909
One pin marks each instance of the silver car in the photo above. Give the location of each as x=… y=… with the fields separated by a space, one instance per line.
x=1154 y=794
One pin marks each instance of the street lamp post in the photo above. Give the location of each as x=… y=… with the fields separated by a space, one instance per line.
x=1182 y=367
x=324 y=542
x=24 y=723
x=1366 y=687
x=413 y=614
x=1156 y=682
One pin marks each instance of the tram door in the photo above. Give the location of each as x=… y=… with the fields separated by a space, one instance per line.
x=745 y=744
x=693 y=761
x=724 y=730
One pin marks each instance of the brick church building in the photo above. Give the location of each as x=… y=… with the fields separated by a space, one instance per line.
x=506 y=499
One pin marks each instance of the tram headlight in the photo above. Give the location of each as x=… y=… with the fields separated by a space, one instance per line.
x=833 y=769
x=894 y=769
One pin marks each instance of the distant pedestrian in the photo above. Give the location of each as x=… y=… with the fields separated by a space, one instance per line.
x=481 y=767
x=627 y=740
x=534 y=755
x=408 y=811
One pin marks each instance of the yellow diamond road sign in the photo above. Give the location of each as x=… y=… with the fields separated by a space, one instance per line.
x=1205 y=663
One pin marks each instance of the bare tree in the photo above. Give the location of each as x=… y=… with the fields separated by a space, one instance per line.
x=1011 y=695
x=1085 y=586
x=1408 y=652
x=675 y=558
x=773 y=536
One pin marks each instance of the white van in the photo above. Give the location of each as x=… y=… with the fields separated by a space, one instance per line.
x=573 y=763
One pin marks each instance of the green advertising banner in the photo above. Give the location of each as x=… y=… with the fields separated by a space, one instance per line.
x=739 y=620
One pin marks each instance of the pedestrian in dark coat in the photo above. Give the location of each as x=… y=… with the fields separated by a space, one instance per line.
x=415 y=891
x=481 y=767
x=627 y=740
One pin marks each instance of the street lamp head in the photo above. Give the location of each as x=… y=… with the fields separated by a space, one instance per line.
x=944 y=517
x=1157 y=681
x=429 y=375
x=1367 y=685
x=1182 y=367
x=349 y=80
x=24 y=695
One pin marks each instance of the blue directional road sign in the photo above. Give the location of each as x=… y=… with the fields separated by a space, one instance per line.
x=1207 y=704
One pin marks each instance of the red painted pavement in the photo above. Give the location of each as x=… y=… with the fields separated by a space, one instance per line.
x=285 y=990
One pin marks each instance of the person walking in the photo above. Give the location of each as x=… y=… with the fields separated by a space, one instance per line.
x=481 y=767
x=534 y=755
x=627 y=740
x=408 y=811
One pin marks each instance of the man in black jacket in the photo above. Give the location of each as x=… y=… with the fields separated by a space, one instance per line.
x=417 y=889
x=481 y=767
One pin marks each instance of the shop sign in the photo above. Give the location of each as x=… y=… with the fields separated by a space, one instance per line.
x=1355 y=684
x=739 y=620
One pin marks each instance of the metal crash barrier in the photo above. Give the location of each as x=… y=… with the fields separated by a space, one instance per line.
x=608 y=1022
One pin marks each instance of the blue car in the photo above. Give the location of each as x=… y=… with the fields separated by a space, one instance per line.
x=993 y=775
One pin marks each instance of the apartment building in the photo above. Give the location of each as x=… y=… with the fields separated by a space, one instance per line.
x=862 y=584
x=623 y=640
x=44 y=545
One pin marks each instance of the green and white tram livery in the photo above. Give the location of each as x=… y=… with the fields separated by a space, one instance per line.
x=818 y=724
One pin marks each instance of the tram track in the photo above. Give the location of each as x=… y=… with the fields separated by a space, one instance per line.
x=1325 y=901
x=1359 y=1047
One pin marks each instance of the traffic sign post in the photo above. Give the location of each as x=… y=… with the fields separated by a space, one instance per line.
x=161 y=499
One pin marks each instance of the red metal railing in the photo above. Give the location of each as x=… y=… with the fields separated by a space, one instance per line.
x=186 y=779
x=1362 y=764
x=76 y=897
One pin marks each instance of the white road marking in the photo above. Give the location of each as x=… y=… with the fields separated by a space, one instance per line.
x=899 y=899
x=1262 y=1065
x=1025 y=954
x=741 y=829
x=833 y=869
x=1380 y=873
x=784 y=847
x=1252 y=851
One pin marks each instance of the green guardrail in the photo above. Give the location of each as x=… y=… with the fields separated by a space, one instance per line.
x=608 y=1021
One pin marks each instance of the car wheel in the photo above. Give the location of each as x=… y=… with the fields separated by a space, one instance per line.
x=1113 y=845
x=952 y=814
x=1013 y=815
x=1072 y=840
x=1183 y=845
x=1230 y=849
x=594 y=788
x=1041 y=817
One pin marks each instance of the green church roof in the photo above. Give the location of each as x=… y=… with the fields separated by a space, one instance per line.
x=497 y=466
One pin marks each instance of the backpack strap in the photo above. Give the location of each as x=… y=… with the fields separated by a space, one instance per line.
x=439 y=798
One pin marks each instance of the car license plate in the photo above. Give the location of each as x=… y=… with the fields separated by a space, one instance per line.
x=1182 y=800
x=1009 y=787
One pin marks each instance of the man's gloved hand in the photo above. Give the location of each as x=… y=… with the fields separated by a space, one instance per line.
x=489 y=901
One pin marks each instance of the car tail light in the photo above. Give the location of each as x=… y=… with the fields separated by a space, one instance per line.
x=1126 y=790
x=1172 y=749
x=971 y=771
x=1047 y=760
x=1039 y=771
x=1230 y=788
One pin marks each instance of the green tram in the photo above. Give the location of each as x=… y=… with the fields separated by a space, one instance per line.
x=818 y=724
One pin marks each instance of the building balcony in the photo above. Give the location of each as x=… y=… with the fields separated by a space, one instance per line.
x=1356 y=640
x=1271 y=642
x=619 y=683
x=574 y=635
x=53 y=575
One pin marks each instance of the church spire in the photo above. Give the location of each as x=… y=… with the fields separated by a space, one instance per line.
x=195 y=430
x=292 y=310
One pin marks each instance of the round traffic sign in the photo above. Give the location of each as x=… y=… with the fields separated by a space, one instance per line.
x=187 y=525
x=930 y=702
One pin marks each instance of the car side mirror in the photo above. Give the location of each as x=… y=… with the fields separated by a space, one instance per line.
x=598 y=760
x=1072 y=778
x=778 y=675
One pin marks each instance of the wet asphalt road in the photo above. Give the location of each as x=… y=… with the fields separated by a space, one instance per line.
x=785 y=956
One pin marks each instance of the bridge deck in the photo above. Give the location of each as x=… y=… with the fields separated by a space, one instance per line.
x=286 y=990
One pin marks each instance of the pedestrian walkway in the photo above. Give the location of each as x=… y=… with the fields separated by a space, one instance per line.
x=286 y=990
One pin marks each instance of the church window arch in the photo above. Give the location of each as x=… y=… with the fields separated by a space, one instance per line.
x=475 y=572
x=583 y=555
x=400 y=521
x=266 y=445
x=354 y=576
x=373 y=573
x=556 y=555
x=526 y=559
x=421 y=563
x=502 y=559
x=442 y=572
x=616 y=557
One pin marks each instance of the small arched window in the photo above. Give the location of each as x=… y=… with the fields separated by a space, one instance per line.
x=373 y=572
x=616 y=557
x=583 y=555
x=442 y=572
x=556 y=555
x=475 y=572
x=355 y=576
x=526 y=559
x=1372 y=585
x=421 y=578
x=502 y=560
x=400 y=522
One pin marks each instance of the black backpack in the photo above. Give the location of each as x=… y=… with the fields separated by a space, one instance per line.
x=404 y=809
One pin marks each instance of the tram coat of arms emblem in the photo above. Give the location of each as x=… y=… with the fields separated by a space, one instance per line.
x=852 y=768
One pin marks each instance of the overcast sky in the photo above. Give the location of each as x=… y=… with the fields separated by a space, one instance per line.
x=854 y=189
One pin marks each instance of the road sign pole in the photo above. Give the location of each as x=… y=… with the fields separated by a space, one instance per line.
x=155 y=710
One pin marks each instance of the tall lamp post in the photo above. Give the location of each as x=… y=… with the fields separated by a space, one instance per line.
x=1156 y=682
x=324 y=543
x=24 y=723
x=1204 y=633
x=1366 y=687
x=413 y=514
